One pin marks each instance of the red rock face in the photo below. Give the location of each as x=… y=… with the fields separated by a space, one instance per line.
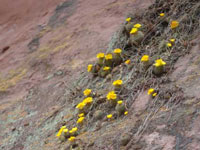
x=44 y=43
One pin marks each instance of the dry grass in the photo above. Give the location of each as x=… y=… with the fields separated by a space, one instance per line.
x=135 y=79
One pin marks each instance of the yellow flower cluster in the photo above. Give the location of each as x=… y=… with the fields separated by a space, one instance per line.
x=109 y=116
x=73 y=130
x=126 y=113
x=108 y=57
x=106 y=68
x=81 y=115
x=119 y=102
x=100 y=55
x=87 y=92
x=134 y=30
x=145 y=58
x=86 y=101
x=170 y=44
x=152 y=92
x=128 y=61
x=162 y=14
x=89 y=67
x=128 y=19
x=172 y=40
x=117 y=82
x=80 y=120
x=174 y=24
x=159 y=63
x=117 y=51
x=61 y=130
x=137 y=26
x=112 y=95
x=71 y=139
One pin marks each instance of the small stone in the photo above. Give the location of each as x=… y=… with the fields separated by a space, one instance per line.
x=26 y=124
x=125 y=138
x=59 y=73
x=99 y=114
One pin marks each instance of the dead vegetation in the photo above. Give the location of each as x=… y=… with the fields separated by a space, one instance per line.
x=136 y=80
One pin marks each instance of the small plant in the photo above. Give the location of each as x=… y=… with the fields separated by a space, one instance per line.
x=117 y=84
x=81 y=115
x=120 y=108
x=73 y=131
x=145 y=61
x=127 y=62
x=136 y=36
x=169 y=45
x=108 y=60
x=80 y=120
x=60 y=131
x=100 y=57
x=162 y=14
x=104 y=71
x=174 y=24
x=158 y=67
x=109 y=117
x=89 y=67
x=126 y=113
x=137 y=26
x=71 y=139
x=172 y=40
x=112 y=98
x=128 y=19
x=128 y=25
x=117 y=58
x=152 y=92
x=87 y=92
x=66 y=133
x=134 y=31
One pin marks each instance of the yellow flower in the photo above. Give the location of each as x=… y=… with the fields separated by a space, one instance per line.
x=128 y=61
x=111 y=95
x=126 y=113
x=80 y=120
x=80 y=105
x=109 y=116
x=169 y=45
x=89 y=67
x=145 y=58
x=154 y=94
x=150 y=91
x=133 y=30
x=87 y=92
x=81 y=115
x=100 y=55
x=172 y=40
x=137 y=25
x=117 y=82
x=162 y=14
x=174 y=24
x=106 y=68
x=128 y=19
x=159 y=62
x=65 y=130
x=119 y=102
x=73 y=130
x=71 y=139
x=117 y=51
x=108 y=56
x=87 y=100
x=60 y=131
